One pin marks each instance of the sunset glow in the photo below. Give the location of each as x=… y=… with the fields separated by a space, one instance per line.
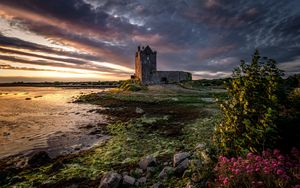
x=95 y=40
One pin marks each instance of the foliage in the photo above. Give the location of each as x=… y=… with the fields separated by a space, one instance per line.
x=252 y=108
x=271 y=169
x=202 y=83
x=289 y=116
x=131 y=85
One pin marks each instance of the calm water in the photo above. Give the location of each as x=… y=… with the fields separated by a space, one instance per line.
x=33 y=118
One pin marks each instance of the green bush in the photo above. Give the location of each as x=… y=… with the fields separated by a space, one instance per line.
x=250 y=113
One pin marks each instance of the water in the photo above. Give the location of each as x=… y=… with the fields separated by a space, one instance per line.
x=33 y=118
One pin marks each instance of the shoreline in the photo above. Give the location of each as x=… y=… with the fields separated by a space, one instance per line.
x=165 y=120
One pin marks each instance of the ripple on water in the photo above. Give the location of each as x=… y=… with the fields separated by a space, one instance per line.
x=33 y=124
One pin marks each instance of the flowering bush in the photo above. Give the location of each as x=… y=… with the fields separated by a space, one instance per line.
x=271 y=169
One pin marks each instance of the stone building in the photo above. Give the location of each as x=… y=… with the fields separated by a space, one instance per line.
x=146 y=69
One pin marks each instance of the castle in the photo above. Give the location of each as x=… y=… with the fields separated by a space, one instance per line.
x=146 y=70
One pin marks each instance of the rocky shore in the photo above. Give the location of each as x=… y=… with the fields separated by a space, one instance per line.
x=155 y=139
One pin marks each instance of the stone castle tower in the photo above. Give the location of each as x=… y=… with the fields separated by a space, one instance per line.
x=145 y=63
x=146 y=69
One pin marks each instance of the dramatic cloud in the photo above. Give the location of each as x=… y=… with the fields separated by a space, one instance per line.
x=99 y=37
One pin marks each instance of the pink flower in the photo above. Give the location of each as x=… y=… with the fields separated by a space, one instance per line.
x=258 y=158
x=279 y=172
x=295 y=152
x=276 y=152
x=280 y=157
x=225 y=181
x=248 y=167
x=266 y=170
x=250 y=155
x=297 y=186
x=260 y=183
x=235 y=164
x=224 y=159
x=237 y=171
x=266 y=153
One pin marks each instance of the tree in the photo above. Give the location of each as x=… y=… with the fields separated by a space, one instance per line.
x=250 y=113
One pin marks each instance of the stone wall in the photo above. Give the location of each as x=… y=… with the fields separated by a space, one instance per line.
x=163 y=77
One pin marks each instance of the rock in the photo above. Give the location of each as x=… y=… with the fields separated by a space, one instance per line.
x=56 y=166
x=146 y=162
x=189 y=185
x=139 y=110
x=39 y=159
x=157 y=185
x=110 y=180
x=128 y=181
x=175 y=99
x=196 y=177
x=196 y=164
x=141 y=181
x=137 y=172
x=179 y=170
x=22 y=163
x=179 y=157
x=200 y=146
x=6 y=173
x=166 y=172
x=150 y=171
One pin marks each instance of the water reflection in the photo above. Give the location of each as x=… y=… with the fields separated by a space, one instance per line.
x=33 y=118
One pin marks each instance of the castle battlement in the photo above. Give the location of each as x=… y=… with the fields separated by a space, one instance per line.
x=146 y=69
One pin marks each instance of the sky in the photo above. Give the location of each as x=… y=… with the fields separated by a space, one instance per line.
x=96 y=40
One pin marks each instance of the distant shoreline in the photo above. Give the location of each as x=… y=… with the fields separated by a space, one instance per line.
x=63 y=84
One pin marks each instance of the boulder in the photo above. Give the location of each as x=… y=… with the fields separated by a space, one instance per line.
x=157 y=185
x=137 y=172
x=39 y=159
x=150 y=171
x=166 y=172
x=189 y=185
x=139 y=110
x=196 y=164
x=147 y=161
x=110 y=180
x=200 y=146
x=22 y=163
x=179 y=157
x=56 y=166
x=179 y=170
x=141 y=181
x=128 y=181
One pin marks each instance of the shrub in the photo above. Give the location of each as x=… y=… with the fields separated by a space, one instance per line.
x=271 y=169
x=251 y=110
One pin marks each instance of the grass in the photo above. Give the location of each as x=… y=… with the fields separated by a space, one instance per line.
x=168 y=125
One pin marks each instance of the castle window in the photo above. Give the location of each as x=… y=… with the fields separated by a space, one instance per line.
x=148 y=58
